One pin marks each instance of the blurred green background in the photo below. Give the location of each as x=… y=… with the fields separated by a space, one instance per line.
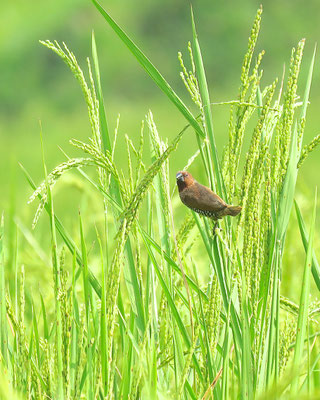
x=36 y=85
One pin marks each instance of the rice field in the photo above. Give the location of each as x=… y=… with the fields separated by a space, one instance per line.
x=157 y=307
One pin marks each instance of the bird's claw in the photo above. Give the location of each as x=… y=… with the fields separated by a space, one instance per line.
x=215 y=227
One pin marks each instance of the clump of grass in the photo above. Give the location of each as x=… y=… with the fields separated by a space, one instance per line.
x=146 y=326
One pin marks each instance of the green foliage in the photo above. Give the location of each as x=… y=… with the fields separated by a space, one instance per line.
x=146 y=325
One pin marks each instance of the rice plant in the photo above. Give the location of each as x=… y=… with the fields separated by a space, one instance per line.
x=135 y=319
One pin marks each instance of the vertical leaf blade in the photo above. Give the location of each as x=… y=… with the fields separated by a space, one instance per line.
x=304 y=302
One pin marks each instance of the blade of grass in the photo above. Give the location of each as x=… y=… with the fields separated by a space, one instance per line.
x=36 y=335
x=32 y=241
x=288 y=190
x=128 y=366
x=3 y=311
x=150 y=287
x=133 y=286
x=130 y=334
x=190 y=391
x=273 y=345
x=303 y=308
x=74 y=347
x=226 y=358
x=44 y=318
x=56 y=273
x=103 y=324
x=211 y=367
x=308 y=86
x=151 y=70
x=153 y=367
x=104 y=131
x=315 y=268
x=204 y=92
x=102 y=112
x=314 y=368
x=170 y=262
x=246 y=370
x=88 y=301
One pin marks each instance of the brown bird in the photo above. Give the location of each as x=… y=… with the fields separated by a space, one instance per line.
x=201 y=199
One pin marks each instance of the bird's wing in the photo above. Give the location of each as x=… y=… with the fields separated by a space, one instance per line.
x=210 y=200
x=202 y=198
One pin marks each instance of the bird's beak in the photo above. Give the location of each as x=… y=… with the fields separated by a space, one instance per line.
x=179 y=177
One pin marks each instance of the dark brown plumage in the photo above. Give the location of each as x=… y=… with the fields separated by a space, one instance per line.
x=201 y=199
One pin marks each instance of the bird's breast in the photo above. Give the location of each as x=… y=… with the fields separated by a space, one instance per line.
x=190 y=197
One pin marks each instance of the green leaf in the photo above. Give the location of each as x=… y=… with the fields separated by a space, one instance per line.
x=102 y=112
x=204 y=92
x=3 y=312
x=151 y=70
x=304 y=303
x=315 y=268
x=288 y=189
x=305 y=101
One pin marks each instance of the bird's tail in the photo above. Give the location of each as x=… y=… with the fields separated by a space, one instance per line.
x=233 y=210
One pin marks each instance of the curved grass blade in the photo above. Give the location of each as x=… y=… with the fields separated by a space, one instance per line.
x=151 y=70
x=304 y=303
x=44 y=319
x=315 y=267
x=3 y=312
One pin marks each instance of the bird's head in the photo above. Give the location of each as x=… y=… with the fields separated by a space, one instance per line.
x=184 y=179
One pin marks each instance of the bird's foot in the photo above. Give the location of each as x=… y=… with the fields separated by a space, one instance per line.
x=216 y=228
